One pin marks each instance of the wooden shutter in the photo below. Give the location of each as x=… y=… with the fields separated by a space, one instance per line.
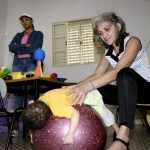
x=73 y=43
x=59 y=44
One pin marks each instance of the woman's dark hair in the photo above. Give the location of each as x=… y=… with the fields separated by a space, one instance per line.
x=114 y=19
x=35 y=115
x=32 y=26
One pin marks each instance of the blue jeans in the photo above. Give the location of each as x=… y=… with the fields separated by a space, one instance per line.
x=19 y=101
x=24 y=65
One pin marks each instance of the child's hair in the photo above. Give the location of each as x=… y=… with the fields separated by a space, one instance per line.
x=35 y=115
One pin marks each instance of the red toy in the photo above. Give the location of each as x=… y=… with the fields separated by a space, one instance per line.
x=53 y=75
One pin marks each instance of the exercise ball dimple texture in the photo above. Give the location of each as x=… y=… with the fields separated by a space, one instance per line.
x=39 y=55
x=90 y=134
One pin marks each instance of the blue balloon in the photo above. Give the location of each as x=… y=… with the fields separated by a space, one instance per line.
x=39 y=55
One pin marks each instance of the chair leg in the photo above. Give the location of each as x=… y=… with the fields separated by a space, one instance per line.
x=117 y=121
x=9 y=138
x=9 y=125
x=143 y=112
x=24 y=131
x=24 y=128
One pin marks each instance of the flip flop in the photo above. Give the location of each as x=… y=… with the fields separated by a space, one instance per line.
x=123 y=142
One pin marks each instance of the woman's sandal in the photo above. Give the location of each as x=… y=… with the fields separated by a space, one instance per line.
x=123 y=142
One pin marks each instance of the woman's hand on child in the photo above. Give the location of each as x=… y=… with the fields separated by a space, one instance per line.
x=80 y=91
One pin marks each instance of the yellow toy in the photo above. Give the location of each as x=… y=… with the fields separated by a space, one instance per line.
x=17 y=75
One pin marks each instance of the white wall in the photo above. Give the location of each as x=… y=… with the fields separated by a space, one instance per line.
x=136 y=14
x=3 y=15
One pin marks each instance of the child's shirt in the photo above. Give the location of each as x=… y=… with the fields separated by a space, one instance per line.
x=58 y=102
x=60 y=106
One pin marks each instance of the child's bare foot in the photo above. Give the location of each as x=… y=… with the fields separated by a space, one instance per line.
x=31 y=138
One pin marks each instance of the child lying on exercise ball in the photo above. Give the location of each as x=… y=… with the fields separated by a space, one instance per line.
x=36 y=114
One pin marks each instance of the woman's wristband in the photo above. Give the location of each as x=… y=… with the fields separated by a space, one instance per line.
x=94 y=88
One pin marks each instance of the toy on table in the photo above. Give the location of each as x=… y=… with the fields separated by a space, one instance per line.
x=61 y=79
x=18 y=75
x=55 y=76
x=4 y=72
x=52 y=76
x=39 y=55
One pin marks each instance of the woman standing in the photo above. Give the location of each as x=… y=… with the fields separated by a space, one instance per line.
x=23 y=46
x=130 y=68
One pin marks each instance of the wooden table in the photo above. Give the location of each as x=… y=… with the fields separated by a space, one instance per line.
x=33 y=86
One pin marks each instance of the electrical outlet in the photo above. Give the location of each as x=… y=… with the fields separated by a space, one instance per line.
x=6 y=33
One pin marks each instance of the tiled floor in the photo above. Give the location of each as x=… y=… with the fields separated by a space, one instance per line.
x=140 y=140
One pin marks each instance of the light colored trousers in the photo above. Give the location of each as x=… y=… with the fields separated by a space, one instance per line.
x=94 y=99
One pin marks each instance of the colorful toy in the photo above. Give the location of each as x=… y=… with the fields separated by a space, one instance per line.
x=90 y=135
x=4 y=72
x=39 y=55
x=53 y=76
x=61 y=79
x=17 y=75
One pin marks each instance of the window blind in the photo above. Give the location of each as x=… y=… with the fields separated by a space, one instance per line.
x=73 y=43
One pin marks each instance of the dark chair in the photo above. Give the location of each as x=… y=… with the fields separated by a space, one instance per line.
x=143 y=109
x=9 y=114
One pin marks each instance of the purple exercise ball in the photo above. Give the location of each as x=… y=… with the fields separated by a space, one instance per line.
x=90 y=135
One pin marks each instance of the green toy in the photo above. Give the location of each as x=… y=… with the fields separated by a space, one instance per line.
x=4 y=72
